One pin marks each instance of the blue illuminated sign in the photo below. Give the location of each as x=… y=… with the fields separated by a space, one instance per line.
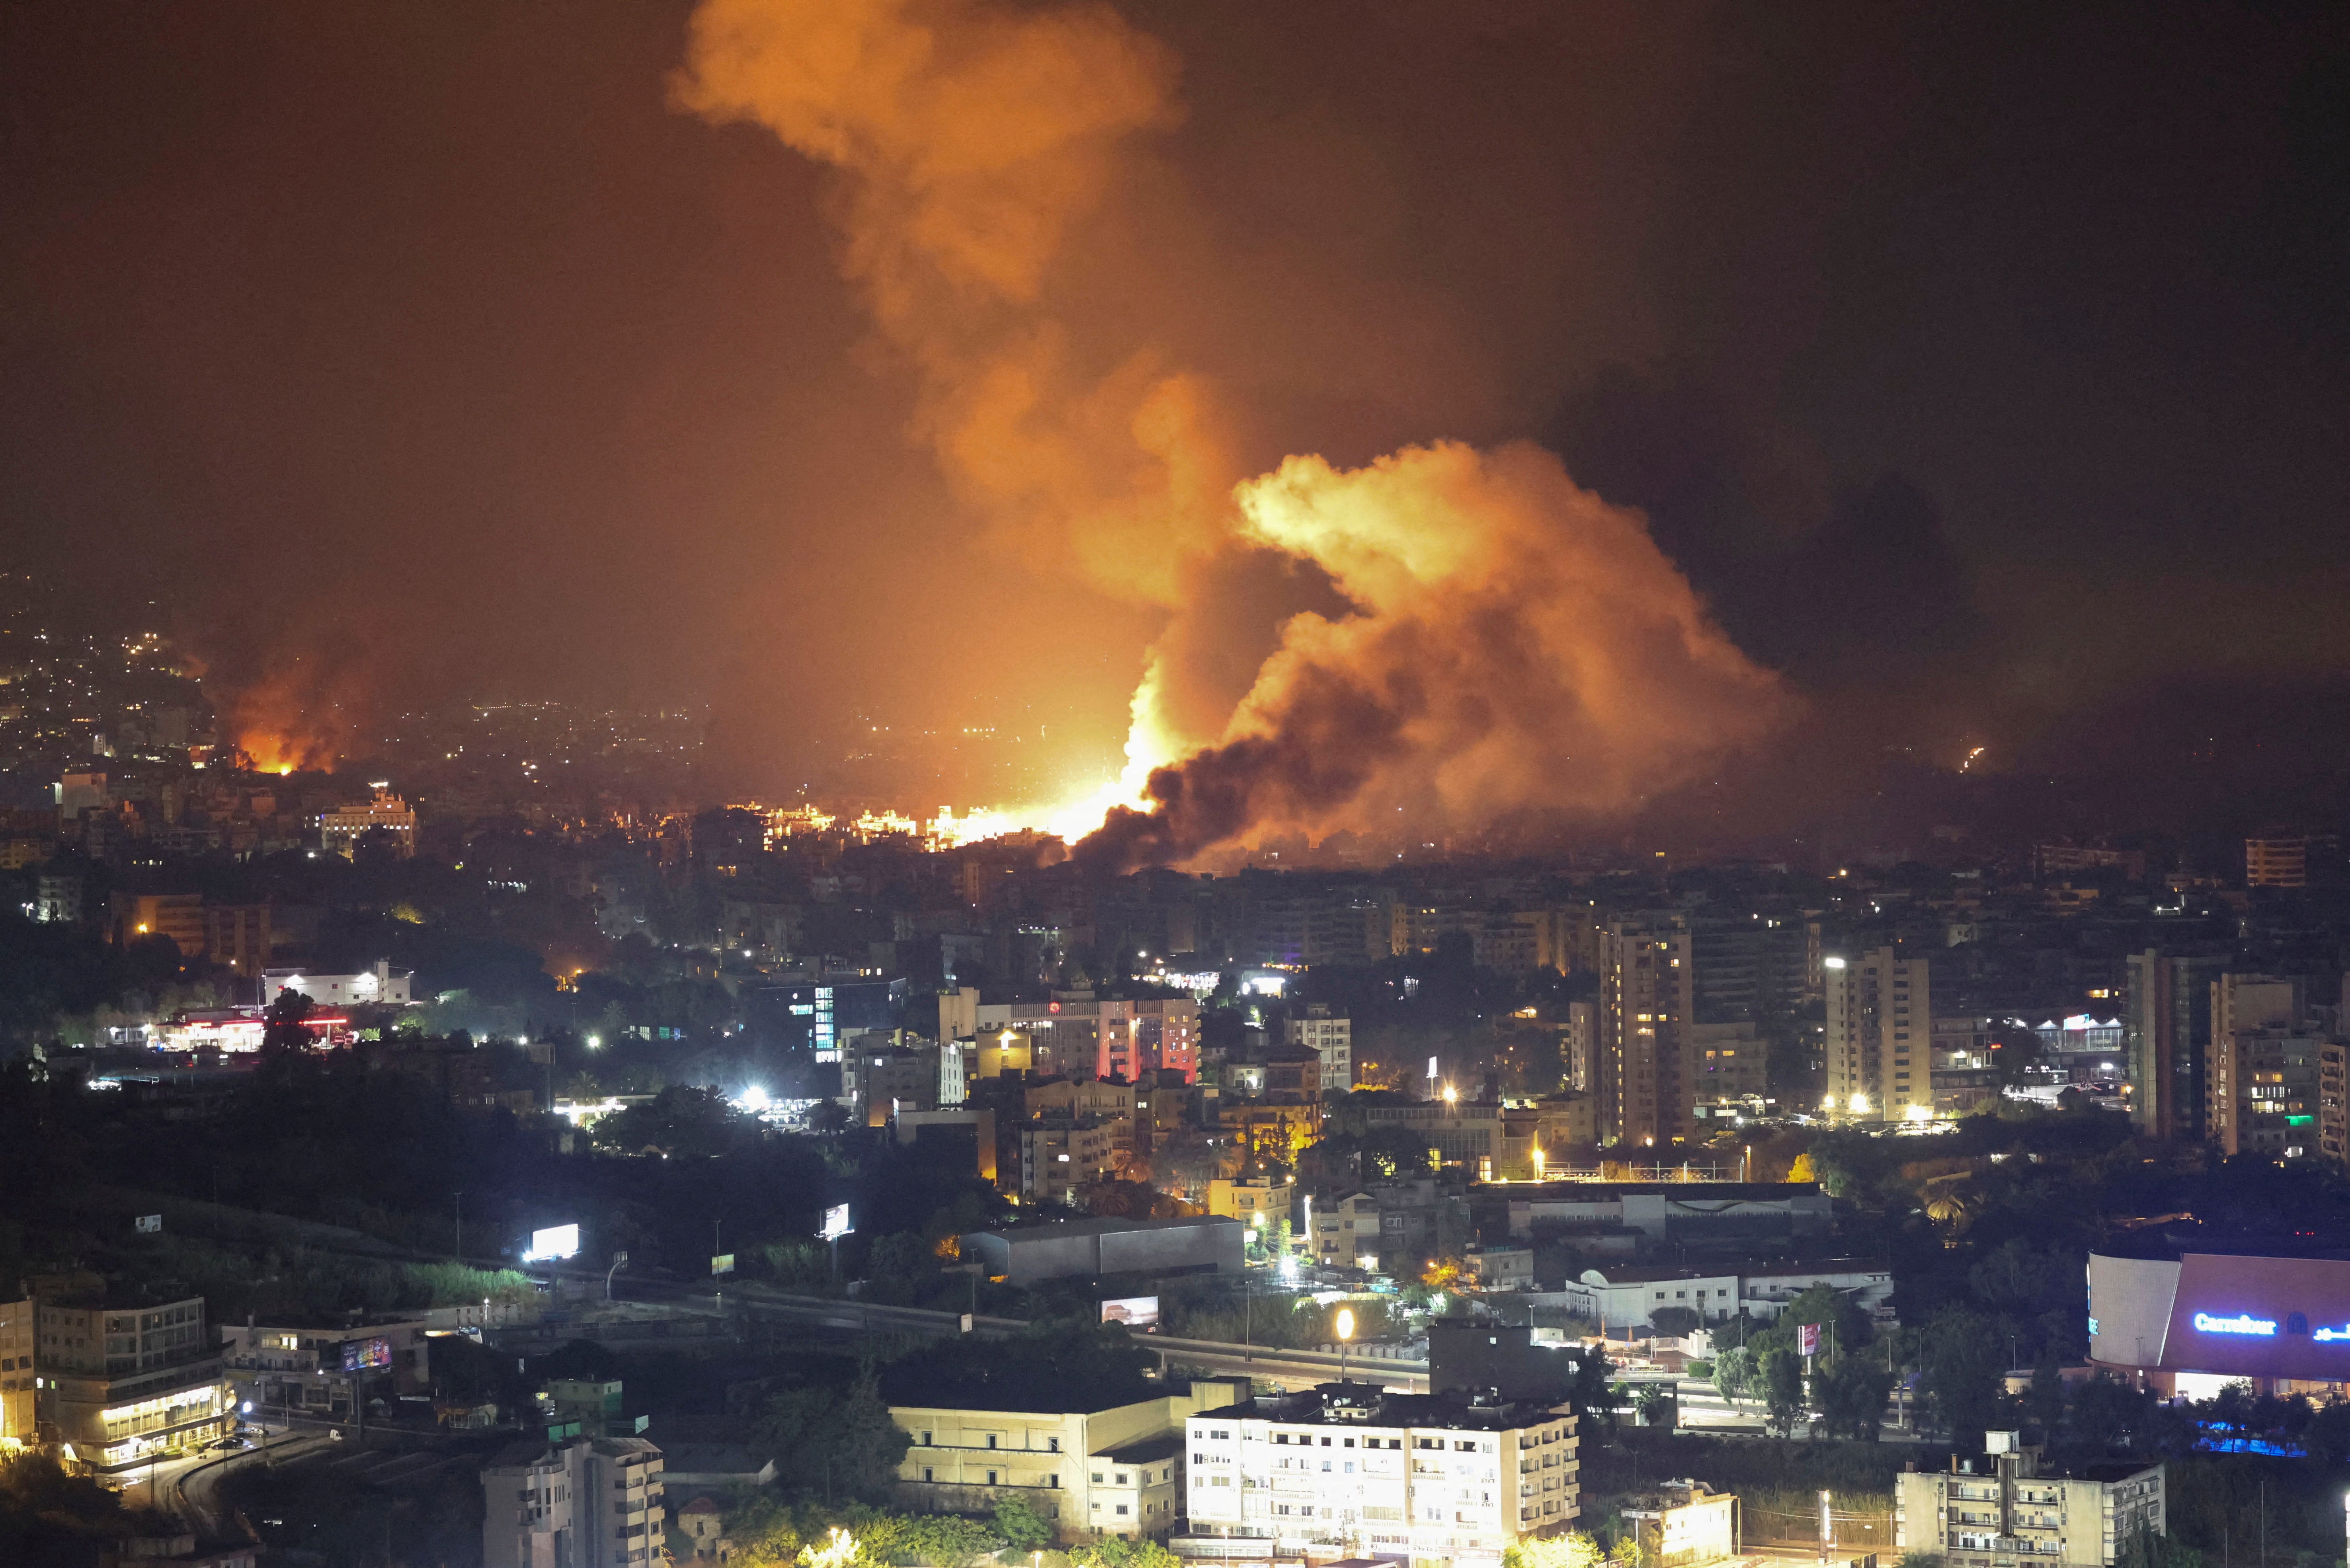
x=2240 y=1323
x=2331 y=1334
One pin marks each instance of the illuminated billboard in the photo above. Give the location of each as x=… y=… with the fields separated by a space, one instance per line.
x=555 y=1241
x=835 y=1222
x=354 y=1356
x=1139 y=1313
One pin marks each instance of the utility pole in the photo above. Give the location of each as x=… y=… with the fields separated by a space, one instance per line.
x=461 y=1224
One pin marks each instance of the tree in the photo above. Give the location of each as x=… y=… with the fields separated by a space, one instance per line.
x=1117 y=1551
x=1021 y=1527
x=836 y=1442
x=1592 y=1392
x=764 y=1534
x=2327 y=1435
x=1390 y=1153
x=1657 y=1407
x=898 y=1268
x=1959 y=1367
x=1851 y=1396
x=1574 y=1550
x=1783 y=1392
x=1734 y=1373
x=2044 y=1403
x=1673 y=1322
x=1802 y=1169
x=282 y=1023
x=681 y=1119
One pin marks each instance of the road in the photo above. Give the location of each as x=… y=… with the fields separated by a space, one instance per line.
x=1288 y=1369
x=190 y=1488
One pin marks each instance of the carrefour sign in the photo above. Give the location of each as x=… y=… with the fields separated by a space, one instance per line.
x=2240 y=1324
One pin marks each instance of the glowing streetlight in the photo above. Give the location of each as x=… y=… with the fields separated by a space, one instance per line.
x=1451 y=1095
x=595 y=1042
x=1345 y=1324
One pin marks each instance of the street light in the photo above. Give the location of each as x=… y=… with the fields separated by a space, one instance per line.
x=1345 y=1324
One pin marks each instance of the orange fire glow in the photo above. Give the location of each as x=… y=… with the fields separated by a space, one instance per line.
x=1513 y=645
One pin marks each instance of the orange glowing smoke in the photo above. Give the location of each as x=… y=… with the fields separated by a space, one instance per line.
x=1514 y=646
x=285 y=720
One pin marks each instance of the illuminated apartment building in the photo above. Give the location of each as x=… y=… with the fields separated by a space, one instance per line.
x=1879 y=1037
x=1349 y=1469
x=16 y=1375
x=1647 y=999
x=1087 y=1038
x=341 y=829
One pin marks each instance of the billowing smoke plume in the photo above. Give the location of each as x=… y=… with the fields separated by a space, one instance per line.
x=1513 y=645
x=971 y=137
x=1517 y=646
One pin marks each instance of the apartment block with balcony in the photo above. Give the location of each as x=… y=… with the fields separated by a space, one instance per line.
x=1350 y=1469
x=17 y=1335
x=1059 y=1154
x=594 y=1502
x=2000 y=1508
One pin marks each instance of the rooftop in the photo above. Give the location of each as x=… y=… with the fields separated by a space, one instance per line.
x=1146 y=1450
x=2172 y=1242
x=1691 y=1191
x=1653 y=1276
x=537 y=1451
x=1820 y=1266
x=1101 y=1227
x=1352 y=1405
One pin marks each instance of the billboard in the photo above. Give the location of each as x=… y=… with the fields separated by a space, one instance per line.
x=1139 y=1313
x=151 y=1224
x=1807 y=1338
x=835 y=1222
x=724 y=1264
x=354 y=1355
x=555 y=1241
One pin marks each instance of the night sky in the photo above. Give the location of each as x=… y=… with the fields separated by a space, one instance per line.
x=1987 y=369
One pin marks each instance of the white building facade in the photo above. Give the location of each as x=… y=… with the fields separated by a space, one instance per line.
x=592 y=1503
x=1332 y=1039
x=1348 y=1467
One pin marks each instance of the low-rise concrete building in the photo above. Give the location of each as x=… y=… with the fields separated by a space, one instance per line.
x=2000 y=1510
x=1258 y=1202
x=1624 y=1298
x=1500 y=1268
x=1682 y=1524
x=1693 y=1213
x=1091 y=1469
x=321 y=1370
x=1201 y=1244
x=1764 y=1289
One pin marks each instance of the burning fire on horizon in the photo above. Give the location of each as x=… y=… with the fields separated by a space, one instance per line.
x=1511 y=644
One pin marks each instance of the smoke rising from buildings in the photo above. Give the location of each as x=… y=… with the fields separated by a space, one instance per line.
x=1509 y=644
x=1515 y=647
